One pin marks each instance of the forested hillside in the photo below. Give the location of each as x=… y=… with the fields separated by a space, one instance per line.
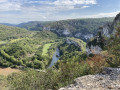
x=79 y=28
x=8 y=32
x=34 y=50
x=85 y=26
x=31 y=50
x=59 y=45
x=33 y=25
x=20 y=47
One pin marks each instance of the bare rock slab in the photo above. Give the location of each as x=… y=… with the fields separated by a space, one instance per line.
x=108 y=80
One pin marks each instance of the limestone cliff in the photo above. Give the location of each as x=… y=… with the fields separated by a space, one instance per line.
x=107 y=30
x=110 y=28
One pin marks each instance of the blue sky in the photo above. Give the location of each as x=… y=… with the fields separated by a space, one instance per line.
x=18 y=11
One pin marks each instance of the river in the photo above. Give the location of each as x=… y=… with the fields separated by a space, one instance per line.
x=55 y=58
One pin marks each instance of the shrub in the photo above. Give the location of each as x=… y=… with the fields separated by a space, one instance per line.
x=97 y=63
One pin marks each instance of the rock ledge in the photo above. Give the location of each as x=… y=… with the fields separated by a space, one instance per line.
x=109 y=79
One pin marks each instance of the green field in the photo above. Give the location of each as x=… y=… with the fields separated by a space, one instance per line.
x=3 y=42
x=45 y=48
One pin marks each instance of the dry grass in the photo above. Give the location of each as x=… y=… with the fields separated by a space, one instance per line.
x=3 y=73
x=8 y=71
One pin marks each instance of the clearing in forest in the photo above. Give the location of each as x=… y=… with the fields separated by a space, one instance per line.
x=8 y=71
x=45 y=48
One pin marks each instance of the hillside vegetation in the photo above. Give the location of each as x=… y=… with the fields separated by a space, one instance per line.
x=33 y=25
x=8 y=33
x=20 y=47
x=89 y=25
x=34 y=52
x=79 y=28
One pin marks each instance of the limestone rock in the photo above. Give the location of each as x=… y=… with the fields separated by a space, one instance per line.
x=109 y=79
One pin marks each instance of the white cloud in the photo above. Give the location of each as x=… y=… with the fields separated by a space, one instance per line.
x=5 y=5
x=110 y=14
x=36 y=16
x=85 y=6
x=47 y=5
x=9 y=6
x=99 y=15
x=47 y=10
x=1 y=1
x=74 y=2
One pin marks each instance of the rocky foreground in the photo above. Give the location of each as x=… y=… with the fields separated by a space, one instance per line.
x=109 y=79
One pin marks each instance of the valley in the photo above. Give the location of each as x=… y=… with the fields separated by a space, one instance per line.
x=79 y=28
x=59 y=44
x=34 y=48
x=50 y=55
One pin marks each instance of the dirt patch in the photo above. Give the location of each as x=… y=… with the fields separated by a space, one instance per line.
x=8 y=71
x=30 y=55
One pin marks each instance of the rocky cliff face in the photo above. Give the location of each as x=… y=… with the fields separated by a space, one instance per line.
x=68 y=41
x=67 y=31
x=110 y=28
x=109 y=79
x=106 y=30
x=84 y=37
x=60 y=29
x=79 y=28
x=94 y=47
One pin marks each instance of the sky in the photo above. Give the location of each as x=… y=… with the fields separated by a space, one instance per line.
x=19 y=11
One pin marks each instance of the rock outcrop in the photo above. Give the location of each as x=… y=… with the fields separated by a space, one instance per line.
x=96 y=45
x=93 y=49
x=105 y=31
x=110 y=28
x=109 y=79
x=69 y=41
x=84 y=37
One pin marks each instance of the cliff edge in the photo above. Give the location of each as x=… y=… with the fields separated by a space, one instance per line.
x=110 y=77
x=107 y=80
x=110 y=29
